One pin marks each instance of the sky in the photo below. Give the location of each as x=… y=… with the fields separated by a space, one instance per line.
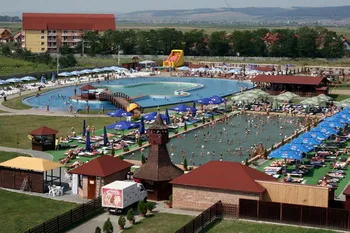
x=116 y=6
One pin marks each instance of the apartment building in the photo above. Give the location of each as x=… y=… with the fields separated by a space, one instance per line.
x=46 y=32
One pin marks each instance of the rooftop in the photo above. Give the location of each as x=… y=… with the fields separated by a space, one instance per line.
x=102 y=166
x=43 y=130
x=29 y=163
x=346 y=192
x=158 y=123
x=88 y=87
x=225 y=176
x=53 y=21
x=288 y=79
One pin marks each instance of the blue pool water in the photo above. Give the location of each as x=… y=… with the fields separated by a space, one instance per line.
x=154 y=91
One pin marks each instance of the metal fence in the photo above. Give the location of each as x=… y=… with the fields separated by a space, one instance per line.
x=68 y=219
x=295 y=214
x=201 y=221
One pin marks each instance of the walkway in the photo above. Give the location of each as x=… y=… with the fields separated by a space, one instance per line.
x=33 y=153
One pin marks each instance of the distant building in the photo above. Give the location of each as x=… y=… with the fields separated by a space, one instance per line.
x=45 y=32
x=5 y=35
x=18 y=37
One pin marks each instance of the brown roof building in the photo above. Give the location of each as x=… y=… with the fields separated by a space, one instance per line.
x=158 y=171
x=43 y=138
x=47 y=31
x=218 y=181
x=91 y=176
x=303 y=85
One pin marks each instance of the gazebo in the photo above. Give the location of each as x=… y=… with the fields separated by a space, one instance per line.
x=14 y=172
x=86 y=94
x=43 y=138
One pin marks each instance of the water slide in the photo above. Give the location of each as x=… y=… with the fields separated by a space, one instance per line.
x=175 y=59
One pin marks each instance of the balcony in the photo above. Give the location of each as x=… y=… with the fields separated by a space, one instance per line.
x=52 y=46
x=51 y=34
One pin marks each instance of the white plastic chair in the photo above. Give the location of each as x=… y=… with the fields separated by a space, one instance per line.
x=60 y=191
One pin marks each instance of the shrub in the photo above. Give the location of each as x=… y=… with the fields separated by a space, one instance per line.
x=121 y=221
x=150 y=206
x=185 y=164
x=139 y=142
x=203 y=120
x=107 y=226
x=171 y=198
x=113 y=152
x=121 y=157
x=141 y=207
x=130 y=215
x=143 y=159
x=98 y=230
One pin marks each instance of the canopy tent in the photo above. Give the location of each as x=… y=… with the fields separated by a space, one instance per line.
x=64 y=74
x=287 y=154
x=295 y=147
x=316 y=135
x=152 y=116
x=332 y=124
x=123 y=125
x=325 y=130
x=183 y=108
x=306 y=141
x=119 y=113
x=30 y=163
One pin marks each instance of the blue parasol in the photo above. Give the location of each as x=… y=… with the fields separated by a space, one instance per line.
x=142 y=126
x=119 y=113
x=287 y=154
x=306 y=141
x=105 y=137
x=217 y=99
x=205 y=101
x=84 y=127
x=167 y=117
x=123 y=125
x=87 y=143
x=53 y=78
x=152 y=116
x=43 y=79
x=183 y=108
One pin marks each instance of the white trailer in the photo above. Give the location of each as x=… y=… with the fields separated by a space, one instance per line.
x=119 y=195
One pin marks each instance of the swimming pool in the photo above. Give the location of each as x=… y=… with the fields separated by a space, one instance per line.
x=232 y=139
x=154 y=91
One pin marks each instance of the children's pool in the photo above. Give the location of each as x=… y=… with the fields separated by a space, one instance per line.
x=233 y=139
x=151 y=92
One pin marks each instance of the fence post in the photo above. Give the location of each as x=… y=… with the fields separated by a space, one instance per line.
x=71 y=216
x=210 y=214
x=83 y=211
x=58 y=223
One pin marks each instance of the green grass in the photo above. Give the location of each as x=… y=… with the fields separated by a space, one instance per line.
x=237 y=226
x=16 y=103
x=19 y=212
x=160 y=223
x=15 y=129
x=339 y=97
x=11 y=66
x=13 y=26
x=4 y=155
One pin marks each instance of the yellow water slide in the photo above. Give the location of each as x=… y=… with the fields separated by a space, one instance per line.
x=175 y=59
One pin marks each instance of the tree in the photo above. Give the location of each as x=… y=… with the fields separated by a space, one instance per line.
x=107 y=226
x=113 y=151
x=121 y=222
x=130 y=216
x=196 y=43
x=5 y=50
x=92 y=42
x=65 y=49
x=98 y=230
x=219 y=44
x=143 y=159
x=306 y=43
x=142 y=208
x=185 y=164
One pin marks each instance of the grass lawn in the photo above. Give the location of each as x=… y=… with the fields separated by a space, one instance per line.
x=339 y=97
x=16 y=103
x=4 y=156
x=236 y=226
x=19 y=212
x=160 y=223
x=16 y=128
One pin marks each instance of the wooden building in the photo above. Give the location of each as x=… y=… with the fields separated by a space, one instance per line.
x=158 y=171
x=14 y=171
x=43 y=138
x=89 y=178
x=88 y=92
x=301 y=85
x=346 y=193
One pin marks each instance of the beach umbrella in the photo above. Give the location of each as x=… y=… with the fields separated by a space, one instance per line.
x=325 y=130
x=182 y=108
x=295 y=147
x=217 y=99
x=53 y=78
x=64 y=74
x=119 y=113
x=105 y=137
x=123 y=125
x=28 y=78
x=142 y=126
x=43 y=79
x=194 y=105
x=183 y=68
x=167 y=119
x=152 y=116
x=324 y=97
x=331 y=124
x=3 y=82
x=87 y=143
x=84 y=127
x=259 y=93
x=287 y=154
x=306 y=141
x=234 y=71
x=314 y=101
x=13 y=80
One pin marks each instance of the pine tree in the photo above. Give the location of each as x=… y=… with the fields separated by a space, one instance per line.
x=185 y=164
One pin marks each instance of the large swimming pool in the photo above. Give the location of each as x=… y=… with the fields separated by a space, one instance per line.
x=152 y=92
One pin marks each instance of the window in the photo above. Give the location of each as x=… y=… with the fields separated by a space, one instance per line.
x=42 y=37
x=42 y=43
x=80 y=181
x=65 y=31
x=54 y=31
x=42 y=49
x=49 y=31
x=42 y=31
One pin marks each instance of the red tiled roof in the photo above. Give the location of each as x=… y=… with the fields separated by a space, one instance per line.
x=47 y=21
x=288 y=79
x=102 y=166
x=88 y=87
x=347 y=191
x=226 y=176
x=43 y=131
x=264 y=68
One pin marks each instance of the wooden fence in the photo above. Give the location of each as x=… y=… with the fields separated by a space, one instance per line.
x=201 y=221
x=68 y=219
x=295 y=214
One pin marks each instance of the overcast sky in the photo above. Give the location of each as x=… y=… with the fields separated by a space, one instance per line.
x=101 y=6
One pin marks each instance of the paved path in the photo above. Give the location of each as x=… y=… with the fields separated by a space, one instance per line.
x=34 y=153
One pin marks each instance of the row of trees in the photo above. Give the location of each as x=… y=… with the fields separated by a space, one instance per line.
x=301 y=42
x=14 y=51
